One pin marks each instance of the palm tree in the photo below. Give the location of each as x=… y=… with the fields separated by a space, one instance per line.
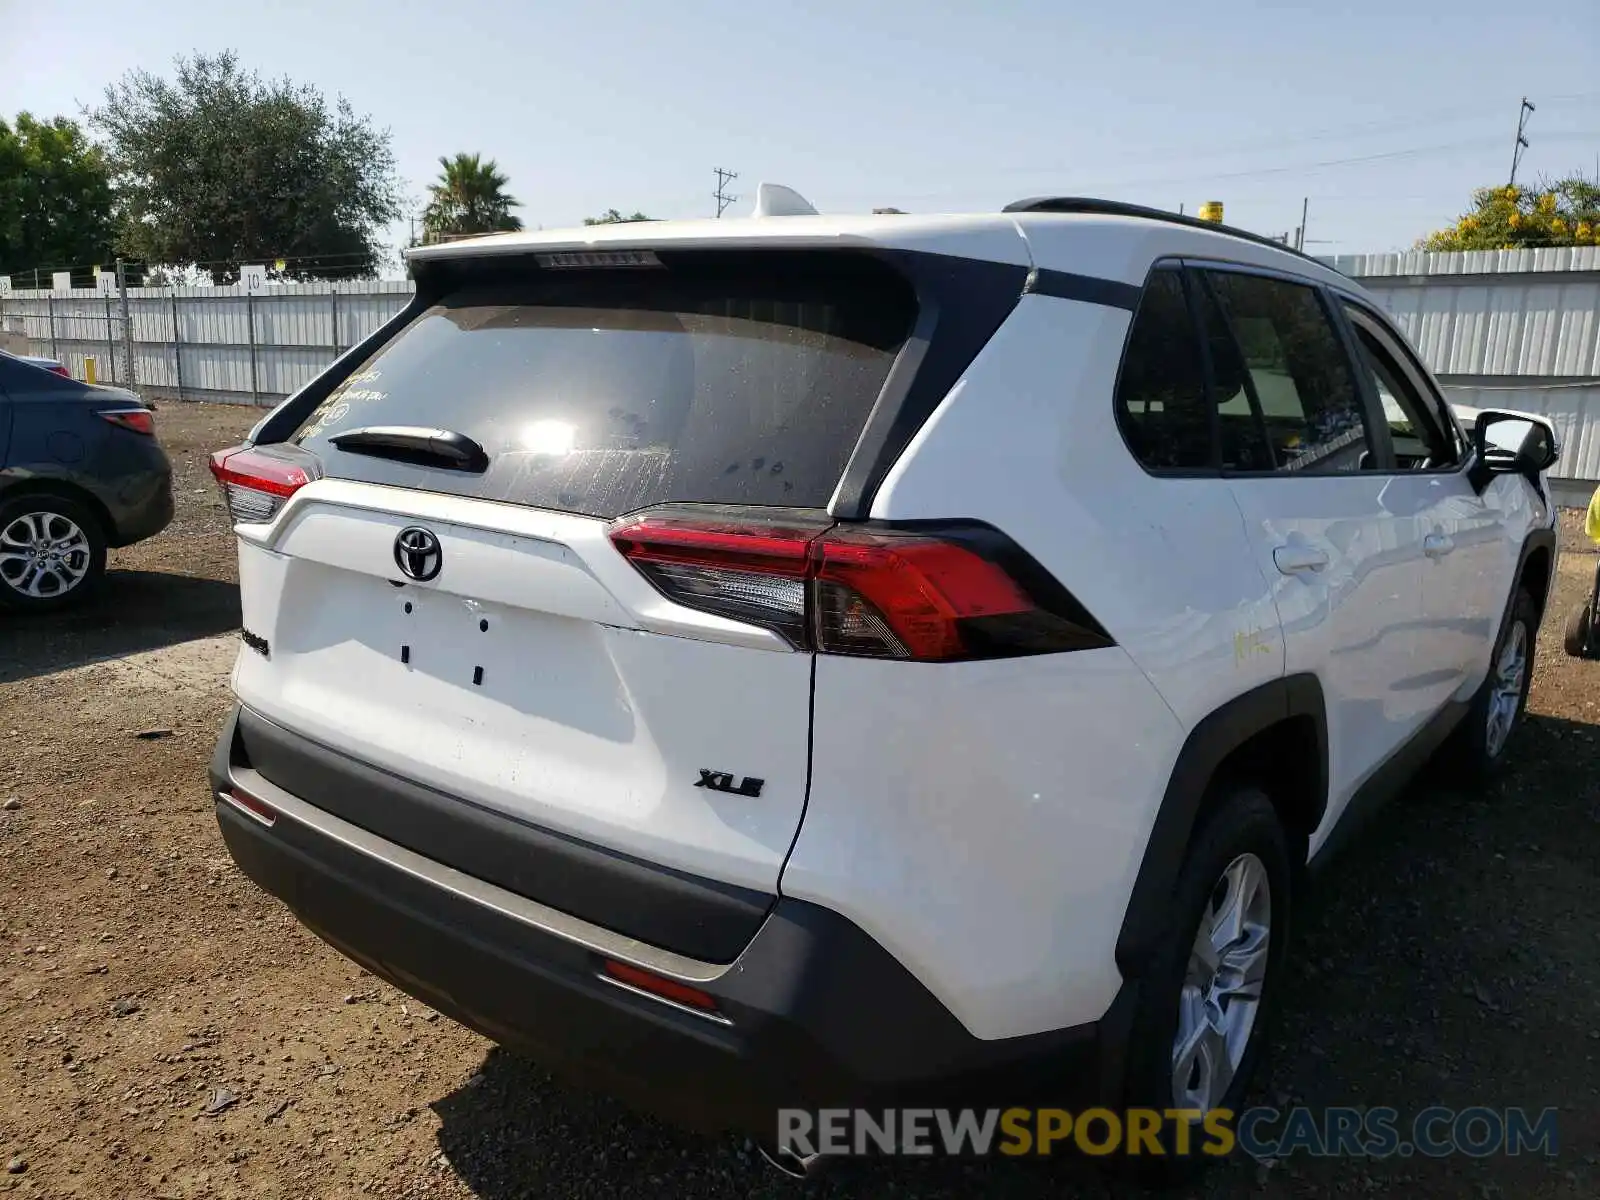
x=469 y=197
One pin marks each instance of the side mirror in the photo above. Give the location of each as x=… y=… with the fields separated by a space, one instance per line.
x=1511 y=443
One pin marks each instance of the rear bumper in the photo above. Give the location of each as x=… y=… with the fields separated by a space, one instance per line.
x=135 y=485
x=814 y=1012
x=145 y=514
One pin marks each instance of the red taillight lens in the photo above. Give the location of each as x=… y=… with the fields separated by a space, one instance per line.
x=256 y=481
x=660 y=985
x=61 y=371
x=901 y=596
x=930 y=594
x=140 y=420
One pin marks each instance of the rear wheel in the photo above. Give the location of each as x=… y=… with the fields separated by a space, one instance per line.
x=1204 y=1004
x=52 y=553
x=1476 y=750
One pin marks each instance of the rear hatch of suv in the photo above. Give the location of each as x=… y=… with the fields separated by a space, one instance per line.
x=448 y=643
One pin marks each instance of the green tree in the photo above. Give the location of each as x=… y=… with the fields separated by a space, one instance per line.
x=612 y=217
x=55 y=196
x=469 y=197
x=1562 y=212
x=220 y=167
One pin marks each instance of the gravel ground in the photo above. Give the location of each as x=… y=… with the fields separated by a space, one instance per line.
x=168 y=1031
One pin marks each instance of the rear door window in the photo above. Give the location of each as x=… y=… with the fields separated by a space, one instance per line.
x=601 y=392
x=1291 y=375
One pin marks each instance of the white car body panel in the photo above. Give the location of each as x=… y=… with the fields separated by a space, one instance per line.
x=600 y=700
x=926 y=776
x=1353 y=623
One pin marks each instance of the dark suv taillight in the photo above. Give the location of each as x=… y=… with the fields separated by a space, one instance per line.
x=930 y=592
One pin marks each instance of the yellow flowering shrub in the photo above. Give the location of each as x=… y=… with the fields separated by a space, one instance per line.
x=1563 y=212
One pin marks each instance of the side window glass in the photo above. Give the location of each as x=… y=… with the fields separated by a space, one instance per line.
x=1244 y=435
x=1420 y=441
x=1161 y=394
x=1296 y=380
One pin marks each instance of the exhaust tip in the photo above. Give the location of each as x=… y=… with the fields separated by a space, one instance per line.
x=787 y=1162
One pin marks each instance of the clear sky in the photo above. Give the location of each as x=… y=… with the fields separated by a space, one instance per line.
x=1385 y=113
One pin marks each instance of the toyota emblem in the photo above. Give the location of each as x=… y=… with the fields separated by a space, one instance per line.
x=417 y=553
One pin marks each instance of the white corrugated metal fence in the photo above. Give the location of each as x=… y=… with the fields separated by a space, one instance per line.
x=206 y=343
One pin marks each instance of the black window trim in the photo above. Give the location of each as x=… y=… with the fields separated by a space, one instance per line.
x=1335 y=319
x=1412 y=366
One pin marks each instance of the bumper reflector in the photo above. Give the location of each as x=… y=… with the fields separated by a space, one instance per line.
x=259 y=810
x=659 y=986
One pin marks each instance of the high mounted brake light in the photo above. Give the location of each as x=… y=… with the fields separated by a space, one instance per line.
x=581 y=260
x=930 y=593
x=257 y=481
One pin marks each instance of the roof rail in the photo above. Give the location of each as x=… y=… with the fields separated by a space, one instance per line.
x=1115 y=208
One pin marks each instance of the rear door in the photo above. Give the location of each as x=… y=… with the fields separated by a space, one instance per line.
x=1344 y=547
x=471 y=625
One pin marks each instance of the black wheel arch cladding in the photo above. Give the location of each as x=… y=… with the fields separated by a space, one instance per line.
x=1208 y=745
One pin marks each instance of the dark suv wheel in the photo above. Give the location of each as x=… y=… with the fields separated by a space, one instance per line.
x=52 y=552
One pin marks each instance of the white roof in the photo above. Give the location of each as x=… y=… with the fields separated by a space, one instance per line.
x=1103 y=245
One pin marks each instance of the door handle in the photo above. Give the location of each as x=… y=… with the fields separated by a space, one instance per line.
x=1299 y=560
x=1437 y=545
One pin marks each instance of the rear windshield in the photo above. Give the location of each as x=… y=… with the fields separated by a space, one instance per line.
x=601 y=392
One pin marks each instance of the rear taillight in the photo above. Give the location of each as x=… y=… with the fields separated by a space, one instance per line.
x=140 y=420
x=257 y=481
x=757 y=573
x=933 y=593
x=61 y=371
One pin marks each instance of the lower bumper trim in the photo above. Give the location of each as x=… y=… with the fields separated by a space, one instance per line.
x=813 y=1012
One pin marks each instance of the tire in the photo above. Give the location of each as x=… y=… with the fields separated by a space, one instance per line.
x=1240 y=835
x=1475 y=753
x=1578 y=631
x=74 y=544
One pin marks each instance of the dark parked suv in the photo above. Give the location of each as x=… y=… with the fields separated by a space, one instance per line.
x=80 y=471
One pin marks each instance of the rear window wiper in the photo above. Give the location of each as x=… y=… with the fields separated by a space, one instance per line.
x=415 y=444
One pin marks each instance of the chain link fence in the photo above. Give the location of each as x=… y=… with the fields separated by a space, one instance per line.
x=252 y=342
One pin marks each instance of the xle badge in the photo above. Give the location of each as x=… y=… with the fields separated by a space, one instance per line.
x=721 y=781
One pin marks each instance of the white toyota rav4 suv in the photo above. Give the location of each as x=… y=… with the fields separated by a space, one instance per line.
x=811 y=661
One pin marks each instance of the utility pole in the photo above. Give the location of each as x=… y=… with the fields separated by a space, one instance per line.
x=127 y=325
x=1300 y=233
x=1523 y=114
x=724 y=197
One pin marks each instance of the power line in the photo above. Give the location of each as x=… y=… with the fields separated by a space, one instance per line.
x=1290 y=169
x=724 y=197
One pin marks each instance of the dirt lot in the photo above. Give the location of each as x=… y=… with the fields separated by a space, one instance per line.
x=1454 y=959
